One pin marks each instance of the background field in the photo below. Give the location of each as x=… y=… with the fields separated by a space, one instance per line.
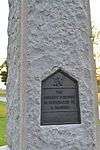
x=2 y=123
x=2 y=93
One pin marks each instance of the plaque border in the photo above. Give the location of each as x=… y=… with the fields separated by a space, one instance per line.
x=77 y=96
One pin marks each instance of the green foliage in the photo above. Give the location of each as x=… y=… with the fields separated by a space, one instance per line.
x=2 y=123
x=98 y=82
x=98 y=123
x=4 y=73
x=98 y=89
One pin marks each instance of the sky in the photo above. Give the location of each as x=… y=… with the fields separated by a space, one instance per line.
x=4 y=10
x=95 y=12
x=3 y=29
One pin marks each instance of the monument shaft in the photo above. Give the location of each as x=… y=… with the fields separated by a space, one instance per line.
x=45 y=37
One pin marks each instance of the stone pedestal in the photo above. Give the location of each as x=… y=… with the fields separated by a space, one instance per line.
x=46 y=36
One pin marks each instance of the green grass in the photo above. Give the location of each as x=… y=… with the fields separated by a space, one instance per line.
x=2 y=93
x=2 y=123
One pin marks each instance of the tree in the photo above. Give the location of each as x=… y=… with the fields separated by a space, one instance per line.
x=96 y=48
x=4 y=71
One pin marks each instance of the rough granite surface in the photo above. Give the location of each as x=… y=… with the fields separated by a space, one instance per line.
x=58 y=36
x=13 y=82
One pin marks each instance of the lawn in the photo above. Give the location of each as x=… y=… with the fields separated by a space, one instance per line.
x=2 y=123
x=2 y=93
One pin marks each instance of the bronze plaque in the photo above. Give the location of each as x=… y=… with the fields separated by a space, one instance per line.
x=59 y=100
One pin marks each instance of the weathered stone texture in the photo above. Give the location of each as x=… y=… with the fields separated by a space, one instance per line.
x=13 y=83
x=58 y=36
